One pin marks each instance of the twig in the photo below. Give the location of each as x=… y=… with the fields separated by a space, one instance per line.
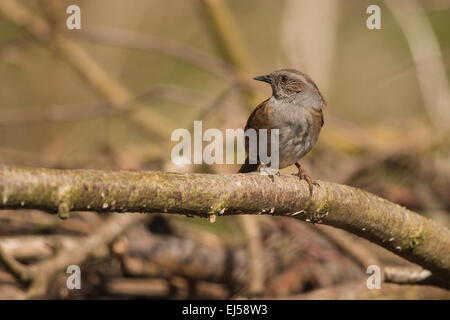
x=348 y=245
x=69 y=113
x=218 y=102
x=310 y=49
x=427 y=57
x=114 y=92
x=39 y=275
x=228 y=34
x=131 y=40
x=256 y=276
x=228 y=37
x=402 y=275
x=17 y=269
x=203 y=259
x=358 y=290
x=138 y=287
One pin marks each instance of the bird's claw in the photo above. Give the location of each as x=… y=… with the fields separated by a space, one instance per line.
x=308 y=180
x=304 y=176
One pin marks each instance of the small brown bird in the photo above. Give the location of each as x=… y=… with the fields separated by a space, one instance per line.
x=295 y=108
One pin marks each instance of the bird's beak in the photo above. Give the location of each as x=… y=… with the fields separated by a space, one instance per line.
x=265 y=78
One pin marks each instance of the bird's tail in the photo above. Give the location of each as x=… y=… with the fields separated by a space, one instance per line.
x=248 y=167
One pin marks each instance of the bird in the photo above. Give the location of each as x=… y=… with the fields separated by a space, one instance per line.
x=296 y=109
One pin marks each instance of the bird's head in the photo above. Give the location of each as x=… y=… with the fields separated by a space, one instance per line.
x=288 y=83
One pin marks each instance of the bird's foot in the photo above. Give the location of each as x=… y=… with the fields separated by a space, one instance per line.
x=264 y=169
x=303 y=175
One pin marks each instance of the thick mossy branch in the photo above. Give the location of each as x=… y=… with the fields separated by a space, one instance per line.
x=401 y=231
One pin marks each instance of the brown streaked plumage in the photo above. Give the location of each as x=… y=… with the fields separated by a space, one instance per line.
x=296 y=109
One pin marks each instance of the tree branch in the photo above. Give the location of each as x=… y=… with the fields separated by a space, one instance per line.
x=399 y=230
x=81 y=61
x=357 y=290
x=402 y=275
x=38 y=275
x=131 y=40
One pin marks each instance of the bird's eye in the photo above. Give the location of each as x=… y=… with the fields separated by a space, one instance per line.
x=284 y=78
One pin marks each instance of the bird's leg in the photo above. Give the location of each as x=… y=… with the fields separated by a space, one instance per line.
x=303 y=175
x=263 y=166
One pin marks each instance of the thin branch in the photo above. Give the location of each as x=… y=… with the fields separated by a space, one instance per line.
x=357 y=251
x=402 y=275
x=38 y=275
x=132 y=40
x=255 y=250
x=427 y=56
x=357 y=290
x=54 y=113
x=228 y=37
x=200 y=259
x=143 y=287
x=80 y=112
x=18 y=270
x=310 y=49
x=92 y=72
x=227 y=33
x=397 y=229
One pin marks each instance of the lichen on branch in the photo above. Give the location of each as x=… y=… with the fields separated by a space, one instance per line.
x=398 y=229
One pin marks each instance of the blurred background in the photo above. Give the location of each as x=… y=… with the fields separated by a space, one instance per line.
x=108 y=96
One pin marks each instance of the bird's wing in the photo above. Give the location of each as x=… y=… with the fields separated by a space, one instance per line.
x=317 y=118
x=321 y=119
x=256 y=120
x=252 y=123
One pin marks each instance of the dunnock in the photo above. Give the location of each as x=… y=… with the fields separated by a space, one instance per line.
x=295 y=108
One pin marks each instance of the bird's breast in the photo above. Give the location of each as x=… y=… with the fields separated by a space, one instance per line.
x=298 y=126
x=299 y=130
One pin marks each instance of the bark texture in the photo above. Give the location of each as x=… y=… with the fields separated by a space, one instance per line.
x=399 y=230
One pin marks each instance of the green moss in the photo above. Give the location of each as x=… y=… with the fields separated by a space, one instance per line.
x=414 y=242
x=320 y=213
x=219 y=208
x=324 y=209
